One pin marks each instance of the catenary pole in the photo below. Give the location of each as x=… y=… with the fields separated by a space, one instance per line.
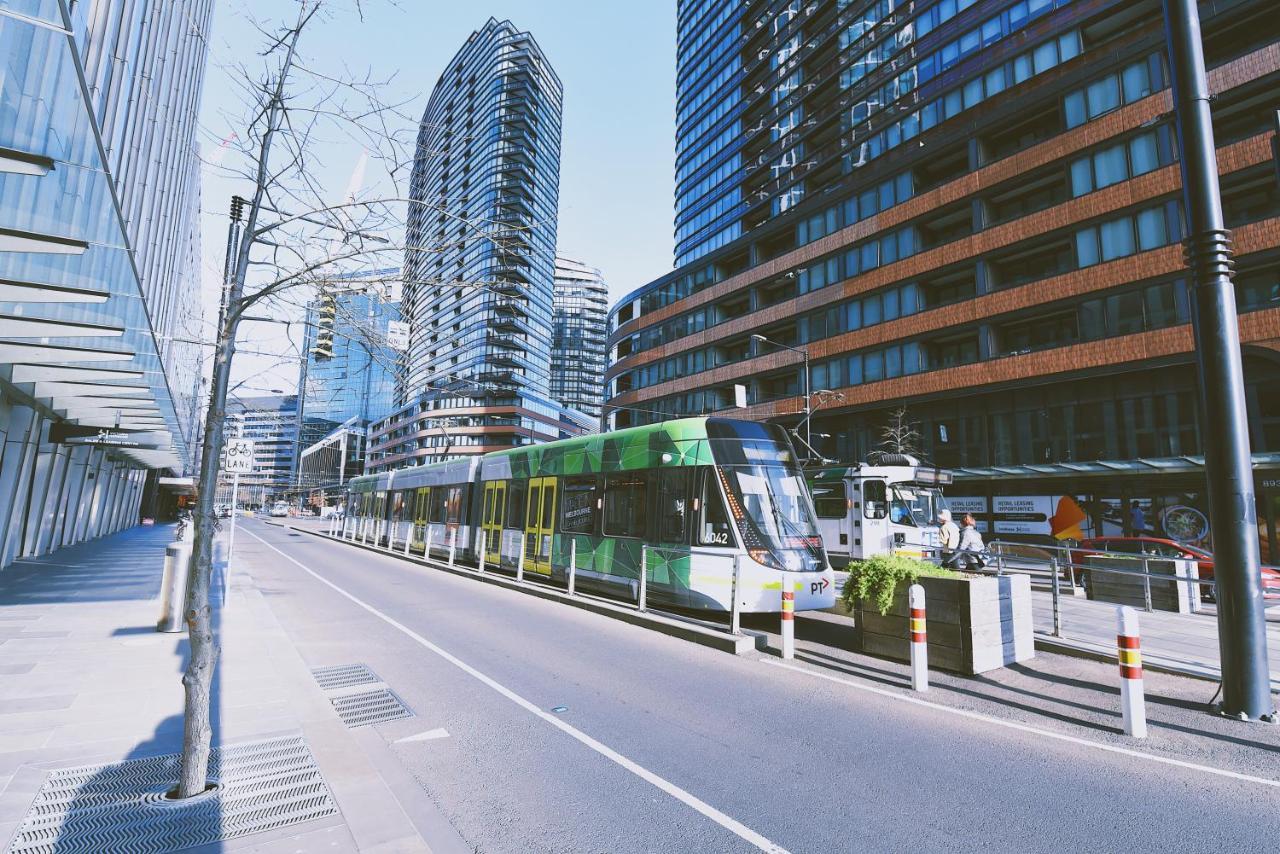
x=1246 y=687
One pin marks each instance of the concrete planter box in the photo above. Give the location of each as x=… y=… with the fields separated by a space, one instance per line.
x=975 y=623
x=1180 y=594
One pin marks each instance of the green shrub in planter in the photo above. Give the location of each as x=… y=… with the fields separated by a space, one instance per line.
x=876 y=579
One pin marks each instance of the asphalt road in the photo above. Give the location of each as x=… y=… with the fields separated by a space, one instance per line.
x=568 y=731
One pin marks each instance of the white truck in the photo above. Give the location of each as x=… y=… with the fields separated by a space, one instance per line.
x=887 y=505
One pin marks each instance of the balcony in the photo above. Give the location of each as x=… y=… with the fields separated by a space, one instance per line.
x=509 y=342
x=510 y=308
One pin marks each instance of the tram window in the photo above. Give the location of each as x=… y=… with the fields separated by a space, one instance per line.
x=578 y=500
x=453 y=507
x=548 y=505
x=673 y=504
x=438 y=496
x=713 y=521
x=830 y=501
x=535 y=494
x=515 y=503
x=875 y=501
x=626 y=501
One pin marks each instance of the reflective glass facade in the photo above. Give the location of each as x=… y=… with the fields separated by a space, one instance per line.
x=99 y=272
x=972 y=208
x=709 y=109
x=577 y=350
x=482 y=227
x=348 y=375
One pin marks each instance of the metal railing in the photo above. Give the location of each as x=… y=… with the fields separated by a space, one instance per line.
x=1060 y=565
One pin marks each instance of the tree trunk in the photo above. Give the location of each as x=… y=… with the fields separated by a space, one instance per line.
x=197 y=682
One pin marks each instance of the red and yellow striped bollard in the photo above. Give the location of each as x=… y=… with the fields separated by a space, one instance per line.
x=788 y=618
x=919 y=639
x=1129 y=653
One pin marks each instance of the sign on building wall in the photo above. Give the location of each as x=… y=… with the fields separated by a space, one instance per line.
x=398 y=335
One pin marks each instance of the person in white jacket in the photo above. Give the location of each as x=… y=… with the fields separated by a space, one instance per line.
x=950 y=535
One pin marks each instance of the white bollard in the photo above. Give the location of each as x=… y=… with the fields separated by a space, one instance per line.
x=643 y=596
x=408 y=540
x=1129 y=653
x=453 y=545
x=426 y=549
x=735 y=610
x=524 y=545
x=484 y=547
x=919 y=639
x=573 y=562
x=391 y=536
x=788 y=618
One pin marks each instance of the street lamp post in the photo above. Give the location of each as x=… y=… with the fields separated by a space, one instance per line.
x=1242 y=640
x=808 y=406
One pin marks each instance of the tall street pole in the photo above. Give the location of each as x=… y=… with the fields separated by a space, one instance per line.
x=1246 y=681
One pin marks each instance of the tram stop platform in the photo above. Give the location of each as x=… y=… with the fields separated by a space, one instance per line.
x=91 y=705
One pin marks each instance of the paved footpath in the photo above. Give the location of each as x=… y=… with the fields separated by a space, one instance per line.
x=542 y=728
x=85 y=678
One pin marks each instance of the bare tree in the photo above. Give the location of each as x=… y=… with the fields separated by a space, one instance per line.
x=296 y=244
x=899 y=435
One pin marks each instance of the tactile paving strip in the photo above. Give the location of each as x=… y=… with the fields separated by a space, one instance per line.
x=262 y=786
x=370 y=707
x=343 y=676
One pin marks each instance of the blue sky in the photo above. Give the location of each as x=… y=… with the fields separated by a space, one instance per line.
x=616 y=61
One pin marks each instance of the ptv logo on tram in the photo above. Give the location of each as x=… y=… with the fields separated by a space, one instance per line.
x=817 y=588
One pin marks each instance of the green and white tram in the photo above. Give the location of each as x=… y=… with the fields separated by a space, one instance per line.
x=697 y=496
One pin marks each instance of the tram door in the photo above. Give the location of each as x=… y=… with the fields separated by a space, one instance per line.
x=420 y=503
x=539 y=525
x=495 y=503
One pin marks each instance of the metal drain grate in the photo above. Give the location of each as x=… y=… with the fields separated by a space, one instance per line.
x=370 y=707
x=343 y=676
x=262 y=786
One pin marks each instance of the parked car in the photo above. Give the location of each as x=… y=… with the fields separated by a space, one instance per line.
x=222 y=511
x=1168 y=549
x=279 y=509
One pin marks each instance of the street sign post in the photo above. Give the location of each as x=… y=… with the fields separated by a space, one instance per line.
x=237 y=458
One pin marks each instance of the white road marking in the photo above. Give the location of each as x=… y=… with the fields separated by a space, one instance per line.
x=730 y=824
x=978 y=716
x=429 y=735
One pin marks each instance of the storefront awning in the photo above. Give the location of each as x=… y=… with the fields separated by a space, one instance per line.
x=1102 y=468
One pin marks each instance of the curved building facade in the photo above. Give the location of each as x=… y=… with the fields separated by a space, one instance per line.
x=482 y=224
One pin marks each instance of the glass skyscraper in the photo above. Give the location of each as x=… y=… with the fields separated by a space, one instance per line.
x=478 y=278
x=348 y=377
x=709 y=139
x=577 y=349
x=99 y=261
x=482 y=224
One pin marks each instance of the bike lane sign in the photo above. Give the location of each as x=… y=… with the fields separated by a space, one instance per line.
x=237 y=456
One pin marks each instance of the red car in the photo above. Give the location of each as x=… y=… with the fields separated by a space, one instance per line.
x=1158 y=547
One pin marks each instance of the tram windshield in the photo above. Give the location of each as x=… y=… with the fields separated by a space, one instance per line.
x=767 y=495
x=915 y=505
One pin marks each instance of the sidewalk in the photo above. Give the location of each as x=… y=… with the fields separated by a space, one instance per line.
x=1186 y=643
x=88 y=681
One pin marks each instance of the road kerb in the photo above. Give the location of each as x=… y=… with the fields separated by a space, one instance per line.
x=723 y=641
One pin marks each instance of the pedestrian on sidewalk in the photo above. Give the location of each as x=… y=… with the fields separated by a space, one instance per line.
x=950 y=535
x=969 y=554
